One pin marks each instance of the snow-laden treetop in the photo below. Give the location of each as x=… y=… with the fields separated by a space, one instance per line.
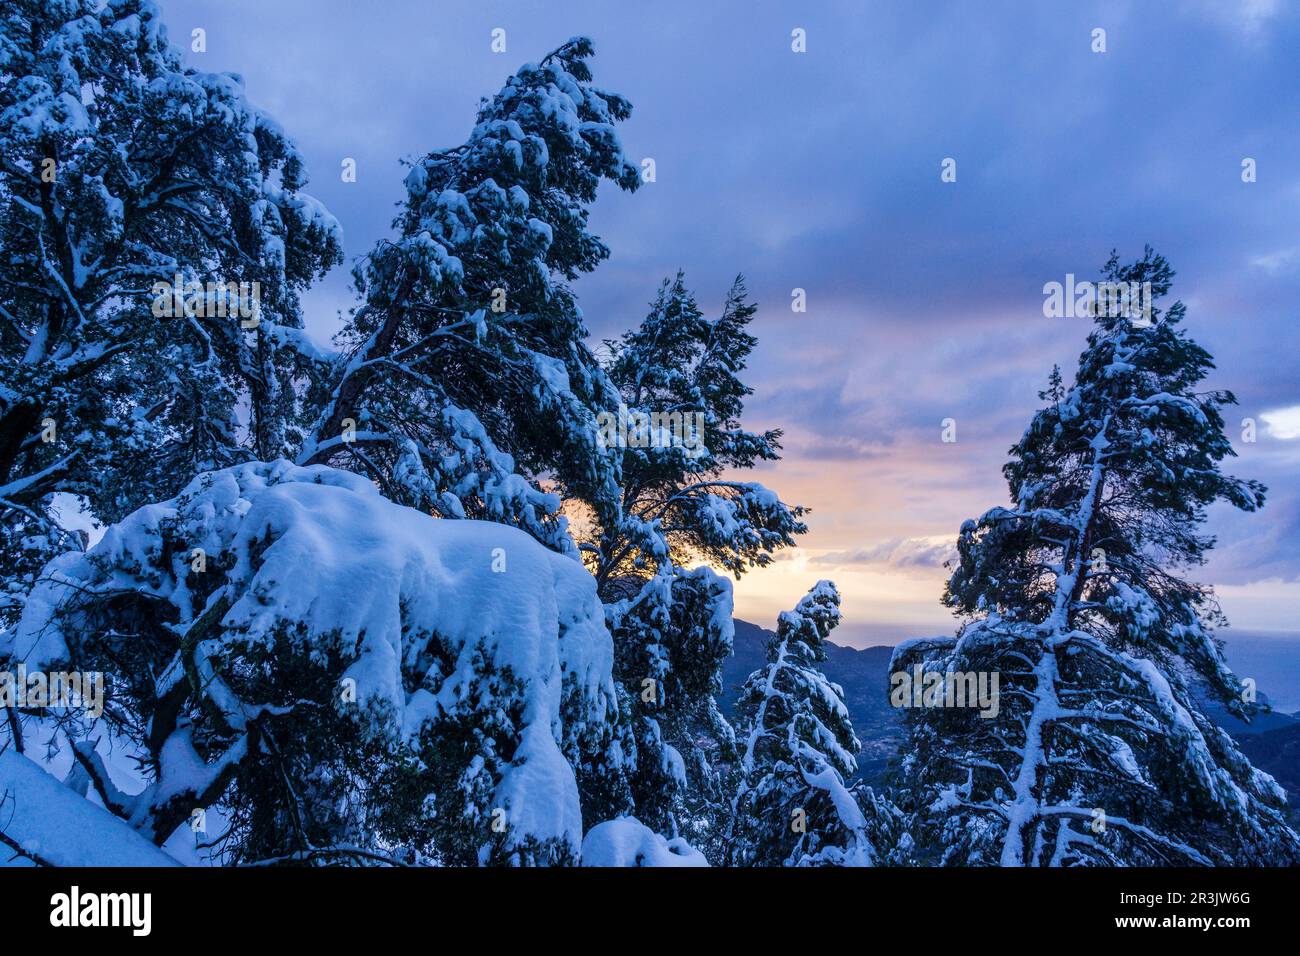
x=425 y=621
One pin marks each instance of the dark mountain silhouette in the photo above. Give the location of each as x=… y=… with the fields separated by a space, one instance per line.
x=1277 y=752
x=1262 y=723
x=863 y=675
x=1271 y=740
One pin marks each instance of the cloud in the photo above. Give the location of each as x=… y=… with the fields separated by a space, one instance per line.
x=1279 y=261
x=928 y=552
x=1283 y=423
x=1260 y=548
x=1248 y=16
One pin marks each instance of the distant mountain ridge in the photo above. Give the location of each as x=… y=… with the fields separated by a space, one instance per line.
x=864 y=676
x=1272 y=741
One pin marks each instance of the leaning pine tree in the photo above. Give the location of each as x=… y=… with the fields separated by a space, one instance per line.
x=792 y=806
x=465 y=382
x=1099 y=753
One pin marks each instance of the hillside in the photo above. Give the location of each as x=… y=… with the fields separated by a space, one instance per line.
x=1272 y=741
x=864 y=676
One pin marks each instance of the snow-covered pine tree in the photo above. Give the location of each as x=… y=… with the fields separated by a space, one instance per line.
x=678 y=378
x=338 y=678
x=791 y=805
x=670 y=642
x=675 y=432
x=121 y=168
x=1099 y=753
x=467 y=375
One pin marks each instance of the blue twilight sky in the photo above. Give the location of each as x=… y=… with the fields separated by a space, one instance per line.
x=821 y=171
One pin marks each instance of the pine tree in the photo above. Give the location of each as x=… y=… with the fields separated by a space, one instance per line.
x=343 y=678
x=466 y=375
x=675 y=432
x=1099 y=753
x=670 y=642
x=678 y=379
x=471 y=723
x=120 y=170
x=792 y=806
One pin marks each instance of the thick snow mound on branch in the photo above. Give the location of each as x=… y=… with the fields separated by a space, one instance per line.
x=61 y=827
x=323 y=552
x=628 y=842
